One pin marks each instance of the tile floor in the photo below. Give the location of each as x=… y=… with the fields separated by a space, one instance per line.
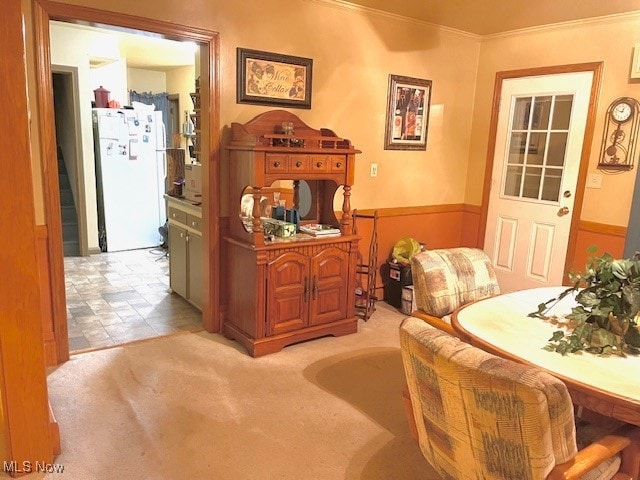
x=119 y=297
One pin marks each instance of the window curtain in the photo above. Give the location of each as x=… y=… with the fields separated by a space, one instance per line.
x=159 y=100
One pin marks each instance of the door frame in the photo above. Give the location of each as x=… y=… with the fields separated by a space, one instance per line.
x=45 y=11
x=81 y=204
x=596 y=68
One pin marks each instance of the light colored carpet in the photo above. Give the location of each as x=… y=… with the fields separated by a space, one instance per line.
x=197 y=406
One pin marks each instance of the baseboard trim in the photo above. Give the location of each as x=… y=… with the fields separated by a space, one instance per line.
x=602 y=228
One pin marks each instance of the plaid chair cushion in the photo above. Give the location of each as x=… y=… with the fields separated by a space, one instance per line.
x=446 y=279
x=482 y=417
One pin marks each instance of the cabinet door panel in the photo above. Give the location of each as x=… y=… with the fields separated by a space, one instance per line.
x=329 y=271
x=196 y=270
x=287 y=285
x=178 y=260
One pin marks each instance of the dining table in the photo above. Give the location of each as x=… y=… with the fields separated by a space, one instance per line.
x=501 y=325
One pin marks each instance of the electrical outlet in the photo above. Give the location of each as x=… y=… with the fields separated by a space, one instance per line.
x=374 y=170
x=594 y=180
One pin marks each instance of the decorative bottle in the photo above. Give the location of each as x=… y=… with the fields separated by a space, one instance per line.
x=410 y=119
x=398 y=120
x=419 y=115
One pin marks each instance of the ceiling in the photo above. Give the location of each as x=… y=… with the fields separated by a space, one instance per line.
x=486 y=17
x=480 y=17
x=145 y=50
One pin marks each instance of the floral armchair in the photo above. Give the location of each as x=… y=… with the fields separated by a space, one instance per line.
x=480 y=417
x=445 y=279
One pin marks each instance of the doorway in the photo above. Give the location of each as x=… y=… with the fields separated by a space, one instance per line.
x=44 y=12
x=121 y=294
x=69 y=149
x=535 y=173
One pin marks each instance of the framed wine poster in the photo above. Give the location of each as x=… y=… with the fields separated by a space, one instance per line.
x=407 y=121
x=265 y=78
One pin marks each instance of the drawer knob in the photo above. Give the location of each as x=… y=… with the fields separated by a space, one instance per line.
x=298 y=164
x=276 y=164
x=339 y=164
x=174 y=215
x=319 y=164
x=194 y=224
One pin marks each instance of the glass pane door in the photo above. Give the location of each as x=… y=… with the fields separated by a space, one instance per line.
x=537 y=147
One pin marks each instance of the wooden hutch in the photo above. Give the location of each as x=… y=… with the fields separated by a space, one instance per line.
x=284 y=290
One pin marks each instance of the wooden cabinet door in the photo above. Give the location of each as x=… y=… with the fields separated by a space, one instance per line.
x=196 y=269
x=287 y=293
x=178 y=260
x=329 y=281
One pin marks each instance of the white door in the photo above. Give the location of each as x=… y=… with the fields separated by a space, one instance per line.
x=539 y=139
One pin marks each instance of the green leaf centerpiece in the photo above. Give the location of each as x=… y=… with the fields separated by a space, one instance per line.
x=605 y=320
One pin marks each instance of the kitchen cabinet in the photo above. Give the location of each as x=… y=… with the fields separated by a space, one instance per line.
x=186 y=270
x=286 y=290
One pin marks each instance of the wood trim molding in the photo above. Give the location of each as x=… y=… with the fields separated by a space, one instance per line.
x=49 y=337
x=596 y=68
x=602 y=229
x=420 y=210
x=48 y=155
x=24 y=415
x=46 y=10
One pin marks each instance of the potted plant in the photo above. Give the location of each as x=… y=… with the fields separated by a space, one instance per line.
x=605 y=319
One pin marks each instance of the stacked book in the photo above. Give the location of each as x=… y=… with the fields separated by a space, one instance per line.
x=317 y=229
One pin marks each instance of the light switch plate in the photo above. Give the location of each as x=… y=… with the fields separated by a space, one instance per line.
x=374 y=170
x=594 y=180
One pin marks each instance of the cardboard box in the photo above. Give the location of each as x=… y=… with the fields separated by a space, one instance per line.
x=193 y=182
x=408 y=300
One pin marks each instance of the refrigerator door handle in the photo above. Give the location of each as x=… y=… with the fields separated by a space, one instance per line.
x=164 y=137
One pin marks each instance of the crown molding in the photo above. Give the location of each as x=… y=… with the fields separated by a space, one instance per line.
x=344 y=5
x=606 y=19
x=603 y=20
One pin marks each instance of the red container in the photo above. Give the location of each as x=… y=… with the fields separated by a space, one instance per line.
x=102 y=97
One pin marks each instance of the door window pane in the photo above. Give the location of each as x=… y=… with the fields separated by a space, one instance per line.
x=512 y=182
x=562 y=112
x=551 y=185
x=521 y=113
x=557 y=149
x=541 y=112
x=531 y=186
x=517 y=147
x=536 y=149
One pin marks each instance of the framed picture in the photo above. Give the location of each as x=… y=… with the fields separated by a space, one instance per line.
x=407 y=113
x=266 y=78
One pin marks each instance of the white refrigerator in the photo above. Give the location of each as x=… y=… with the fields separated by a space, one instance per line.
x=130 y=154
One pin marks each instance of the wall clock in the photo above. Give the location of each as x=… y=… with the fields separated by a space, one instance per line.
x=620 y=135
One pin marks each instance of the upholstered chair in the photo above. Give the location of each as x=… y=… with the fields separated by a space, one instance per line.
x=445 y=279
x=478 y=416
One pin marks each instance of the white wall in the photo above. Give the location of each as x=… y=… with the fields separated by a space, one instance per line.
x=142 y=80
x=113 y=77
x=182 y=81
x=71 y=47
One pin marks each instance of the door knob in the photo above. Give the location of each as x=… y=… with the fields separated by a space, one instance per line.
x=563 y=211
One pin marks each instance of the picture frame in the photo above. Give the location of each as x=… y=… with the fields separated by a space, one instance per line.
x=273 y=79
x=407 y=120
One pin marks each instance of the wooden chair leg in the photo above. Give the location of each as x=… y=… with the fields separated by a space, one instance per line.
x=631 y=458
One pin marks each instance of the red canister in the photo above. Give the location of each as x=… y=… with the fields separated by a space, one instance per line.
x=102 y=97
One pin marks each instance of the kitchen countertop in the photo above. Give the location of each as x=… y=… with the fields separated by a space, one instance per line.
x=184 y=202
